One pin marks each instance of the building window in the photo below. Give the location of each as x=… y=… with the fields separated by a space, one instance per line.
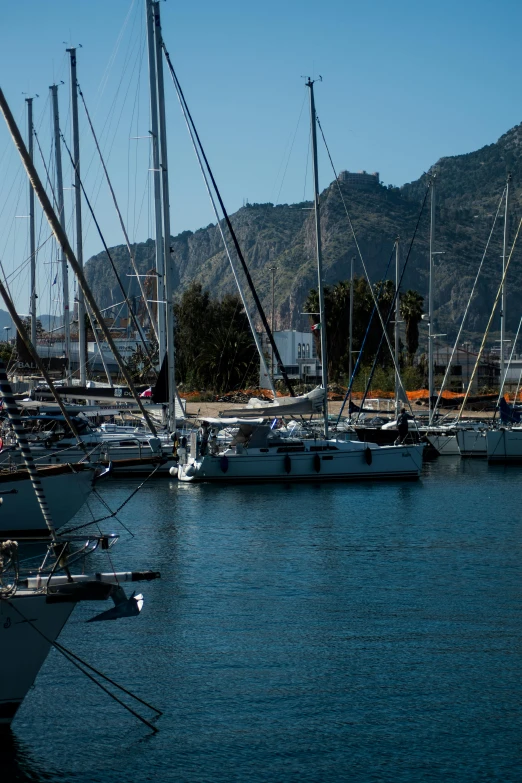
x=299 y=350
x=307 y=348
x=314 y=352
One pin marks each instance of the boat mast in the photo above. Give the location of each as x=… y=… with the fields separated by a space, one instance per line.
x=322 y=322
x=82 y=344
x=396 y=330
x=32 y=233
x=168 y=264
x=61 y=218
x=430 y=301
x=158 y=229
x=350 y=333
x=503 y=293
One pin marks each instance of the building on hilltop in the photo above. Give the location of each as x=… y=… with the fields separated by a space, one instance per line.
x=360 y=179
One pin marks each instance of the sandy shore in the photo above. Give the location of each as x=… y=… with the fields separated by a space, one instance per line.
x=215 y=408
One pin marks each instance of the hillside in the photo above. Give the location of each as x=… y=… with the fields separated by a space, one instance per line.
x=468 y=190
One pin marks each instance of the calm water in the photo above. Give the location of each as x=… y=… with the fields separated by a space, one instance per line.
x=311 y=633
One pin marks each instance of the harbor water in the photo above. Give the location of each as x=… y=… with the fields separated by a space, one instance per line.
x=311 y=632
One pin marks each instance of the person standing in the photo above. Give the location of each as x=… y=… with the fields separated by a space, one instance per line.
x=402 y=426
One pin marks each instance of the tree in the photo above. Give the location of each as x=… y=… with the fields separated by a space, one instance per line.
x=411 y=309
x=140 y=366
x=337 y=309
x=6 y=352
x=214 y=346
x=26 y=320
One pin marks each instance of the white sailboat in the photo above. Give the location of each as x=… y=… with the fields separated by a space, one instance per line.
x=66 y=488
x=259 y=454
x=472 y=441
x=36 y=600
x=34 y=611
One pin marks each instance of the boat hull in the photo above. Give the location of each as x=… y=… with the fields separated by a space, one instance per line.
x=28 y=627
x=504 y=445
x=395 y=462
x=472 y=443
x=444 y=445
x=123 y=459
x=65 y=492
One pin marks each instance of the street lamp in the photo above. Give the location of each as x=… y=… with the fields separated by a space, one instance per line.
x=7 y=329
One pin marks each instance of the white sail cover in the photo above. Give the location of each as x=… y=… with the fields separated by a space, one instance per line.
x=312 y=402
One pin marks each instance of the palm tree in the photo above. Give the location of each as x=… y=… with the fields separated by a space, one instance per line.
x=411 y=309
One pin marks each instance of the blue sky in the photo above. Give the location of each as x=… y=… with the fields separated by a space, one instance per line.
x=404 y=83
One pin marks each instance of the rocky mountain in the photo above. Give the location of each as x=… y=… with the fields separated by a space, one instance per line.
x=468 y=191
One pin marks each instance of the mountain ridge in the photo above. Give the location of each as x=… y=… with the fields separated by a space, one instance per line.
x=468 y=189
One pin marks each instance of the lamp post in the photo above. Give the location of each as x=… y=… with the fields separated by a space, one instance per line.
x=7 y=329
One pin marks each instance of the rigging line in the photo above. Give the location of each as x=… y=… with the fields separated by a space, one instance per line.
x=8 y=202
x=107 y=132
x=290 y=151
x=366 y=335
x=27 y=260
x=47 y=174
x=11 y=233
x=122 y=224
x=473 y=289
x=518 y=387
x=231 y=230
x=110 y=136
x=136 y=111
x=92 y=321
x=72 y=658
x=226 y=246
x=501 y=393
x=120 y=284
x=307 y=161
x=386 y=336
x=114 y=513
x=495 y=303
x=105 y=76
x=396 y=294
x=227 y=337
x=392 y=310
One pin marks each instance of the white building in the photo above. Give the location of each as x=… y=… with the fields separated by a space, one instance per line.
x=298 y=354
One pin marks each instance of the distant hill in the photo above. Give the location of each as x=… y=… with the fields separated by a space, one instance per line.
x=48 y=322
x=468 y=189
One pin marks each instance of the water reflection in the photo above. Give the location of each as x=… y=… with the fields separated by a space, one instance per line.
x=17 y=762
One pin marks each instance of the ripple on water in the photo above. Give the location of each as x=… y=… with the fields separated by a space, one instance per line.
x=316 y=632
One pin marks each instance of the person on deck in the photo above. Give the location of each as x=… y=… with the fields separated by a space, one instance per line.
x=402 y=426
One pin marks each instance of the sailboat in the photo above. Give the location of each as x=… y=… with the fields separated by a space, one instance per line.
x=35 y=608
x=37 y=601
x=259 y=453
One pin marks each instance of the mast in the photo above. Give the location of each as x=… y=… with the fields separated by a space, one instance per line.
x=397 y=314
x=61 y=218
x=61 y=238
x=273 y=270
x=168 y=265
x=350 y=334
x=82 y=343
x=430 y=300
x=503 y=293
x=32 y=233
x=158 y=229
x=320 y=291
